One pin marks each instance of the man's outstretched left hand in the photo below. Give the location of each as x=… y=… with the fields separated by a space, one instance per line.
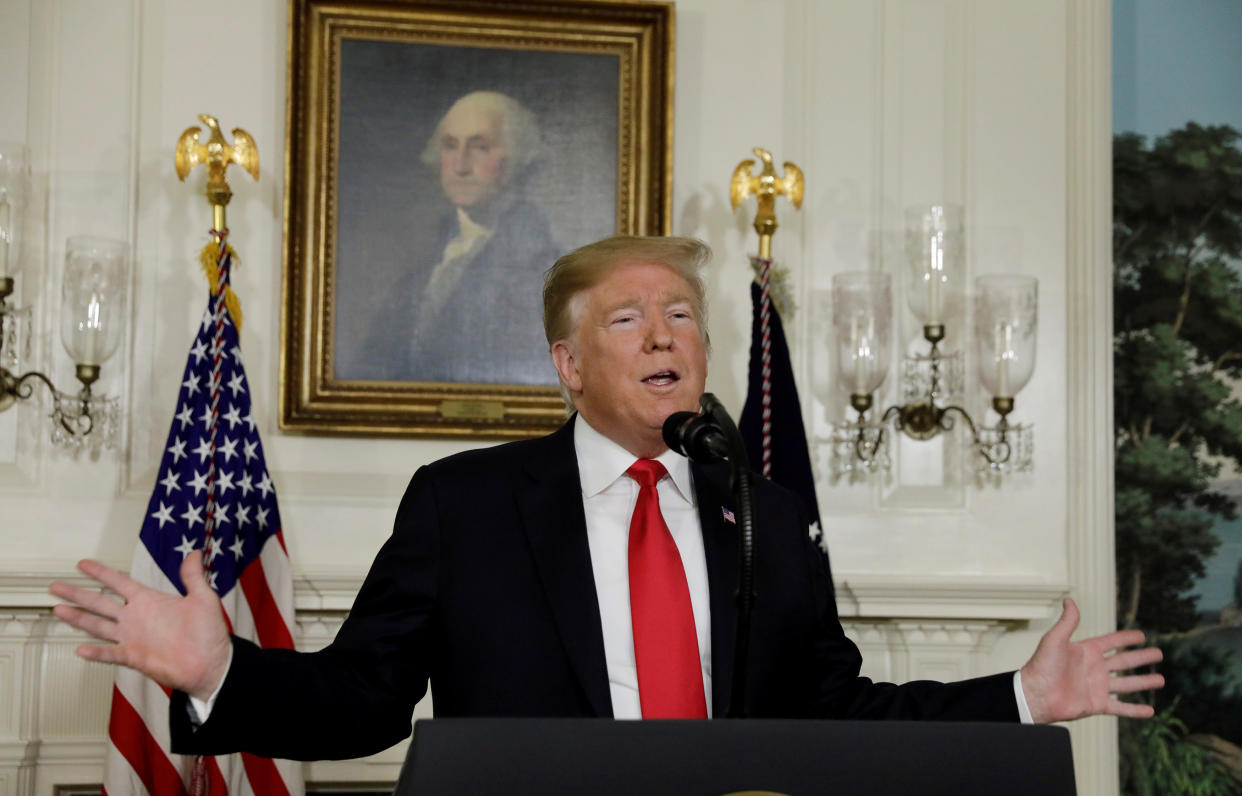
x=1066 y=679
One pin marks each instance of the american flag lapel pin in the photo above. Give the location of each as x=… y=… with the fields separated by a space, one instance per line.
x=728 y=515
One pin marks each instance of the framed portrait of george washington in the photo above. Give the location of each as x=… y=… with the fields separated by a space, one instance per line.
x=440 y=157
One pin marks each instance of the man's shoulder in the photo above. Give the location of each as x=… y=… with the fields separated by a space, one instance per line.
x=507 y=459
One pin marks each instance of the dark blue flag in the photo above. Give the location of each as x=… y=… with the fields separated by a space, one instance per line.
x=789 y=460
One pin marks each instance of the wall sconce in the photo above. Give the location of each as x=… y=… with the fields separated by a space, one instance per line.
x=92 y=316
x=1005 y=319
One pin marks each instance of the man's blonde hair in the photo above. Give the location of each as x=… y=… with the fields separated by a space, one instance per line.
x=582 y=269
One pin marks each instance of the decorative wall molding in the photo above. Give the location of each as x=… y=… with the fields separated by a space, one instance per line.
x=315 y=630
x=946 y=598
x=1089 y=369
x=902 y=650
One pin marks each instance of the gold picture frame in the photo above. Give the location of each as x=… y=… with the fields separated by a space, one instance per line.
x=372 y=341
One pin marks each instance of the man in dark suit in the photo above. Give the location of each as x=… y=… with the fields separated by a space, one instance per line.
x=510 y=579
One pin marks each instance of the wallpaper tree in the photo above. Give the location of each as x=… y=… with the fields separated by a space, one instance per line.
x=1177 y=224
x=1177 y=239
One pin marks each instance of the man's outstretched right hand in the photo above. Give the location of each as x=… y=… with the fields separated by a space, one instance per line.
x=180 y=642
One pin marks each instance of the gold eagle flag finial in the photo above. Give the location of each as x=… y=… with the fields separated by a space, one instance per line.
x=217 y=154
x=766 y=186
x=217 y=257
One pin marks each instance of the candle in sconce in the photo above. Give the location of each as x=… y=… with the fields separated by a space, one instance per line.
x=92 y=332
x=1004 y=353
x=860 y=371
x=934 y=275
x=861 y=337
x=6 y=234
x=860 y=364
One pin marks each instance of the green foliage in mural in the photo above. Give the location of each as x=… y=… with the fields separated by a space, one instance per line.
x=1177 y=237
x=1200 y=681
x=1158 y=760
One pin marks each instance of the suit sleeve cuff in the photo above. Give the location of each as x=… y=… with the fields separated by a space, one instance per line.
x=200 y=710
x=1024 y=710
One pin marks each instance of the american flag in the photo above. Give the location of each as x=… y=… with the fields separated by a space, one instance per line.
x=214 y=494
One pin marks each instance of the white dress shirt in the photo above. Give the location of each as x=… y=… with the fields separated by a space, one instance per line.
x=608 y=498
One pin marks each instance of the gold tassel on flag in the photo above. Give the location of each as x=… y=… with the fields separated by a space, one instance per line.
x=211 y=267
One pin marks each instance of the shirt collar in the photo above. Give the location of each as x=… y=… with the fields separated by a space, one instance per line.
x=601 y=462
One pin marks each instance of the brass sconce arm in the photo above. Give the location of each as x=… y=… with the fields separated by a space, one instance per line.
x=923 y=420
x=15 y=388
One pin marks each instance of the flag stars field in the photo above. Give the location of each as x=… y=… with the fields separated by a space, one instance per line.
x=192 y=515
x=213 y=548
x=199 y=351
x=163 y=514
x=186 y=547
x=230 y=472
x=203 y=450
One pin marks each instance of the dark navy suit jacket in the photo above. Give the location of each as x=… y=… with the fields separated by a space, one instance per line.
x=485 y=588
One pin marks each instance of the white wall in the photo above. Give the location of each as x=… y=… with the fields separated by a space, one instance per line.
x=1000 y=105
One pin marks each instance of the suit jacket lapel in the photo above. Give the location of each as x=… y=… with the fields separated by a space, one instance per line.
x=720 y=540
x=555 y=526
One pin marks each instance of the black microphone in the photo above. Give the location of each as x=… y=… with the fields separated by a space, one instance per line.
x=696 y=436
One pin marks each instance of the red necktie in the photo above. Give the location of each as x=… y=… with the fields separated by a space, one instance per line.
x=666 y=647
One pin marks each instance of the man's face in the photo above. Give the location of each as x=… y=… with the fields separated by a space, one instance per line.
x=635 y=356
x=472 y=154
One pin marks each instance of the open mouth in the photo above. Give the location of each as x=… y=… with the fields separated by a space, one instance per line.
x=662 y=378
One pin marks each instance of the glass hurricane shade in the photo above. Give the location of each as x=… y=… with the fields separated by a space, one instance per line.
x=93 y=298
x=1006 y=313
x=14 y=176
x=862 y=314
x=934 y=253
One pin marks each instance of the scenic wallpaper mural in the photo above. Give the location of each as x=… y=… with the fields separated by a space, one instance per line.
x=1177 y=258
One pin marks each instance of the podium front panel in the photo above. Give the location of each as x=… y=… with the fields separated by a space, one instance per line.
x=605 y=756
